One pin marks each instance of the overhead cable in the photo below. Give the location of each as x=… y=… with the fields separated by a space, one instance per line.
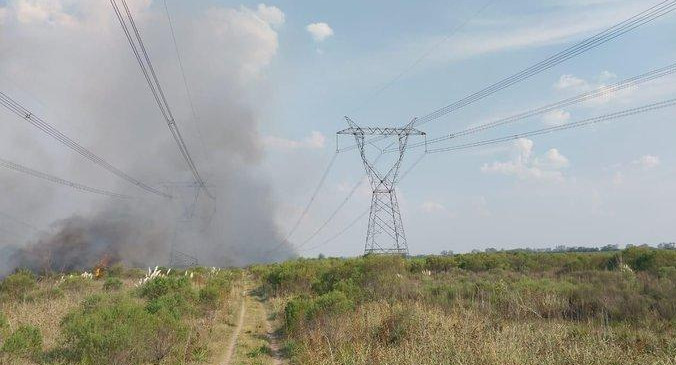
x=44 y=176
x=45 y=127
x=592 y=42
x=143 y=59
x=602 y=91
x=561 y=127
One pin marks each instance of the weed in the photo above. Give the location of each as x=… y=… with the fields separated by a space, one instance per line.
x=112 y=284
x=18 y=285
x=25 y=342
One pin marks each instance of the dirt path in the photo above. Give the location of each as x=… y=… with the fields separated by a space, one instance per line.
x=273 y=341
x=235 y=333
x=253 y=342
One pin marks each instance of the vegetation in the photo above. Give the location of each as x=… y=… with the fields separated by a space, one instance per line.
x=604 y=307
x=124 y=318
x=25 y=342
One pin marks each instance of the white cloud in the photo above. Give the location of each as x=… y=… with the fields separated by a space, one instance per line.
x=319 y=31
x=570 y=82
x=42 y=11
x=556 y=117
x=243 y=29
x=555 y=26
x=432 y=207
x=271 y=15
x=606 y=76
x=648 y=161
x=524 y=167
x=316 y=140
x=553 y=159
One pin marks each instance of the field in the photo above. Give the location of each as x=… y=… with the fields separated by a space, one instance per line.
x=615 y=307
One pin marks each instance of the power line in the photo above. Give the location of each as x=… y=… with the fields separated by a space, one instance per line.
x=195 y=119
x=45 y=127
x=599 y=92
x=609 y=34
x=566 y=126
x=644 y=17
x=44 y=176
x=143 y=59
x=333 y=214
x=313 y=196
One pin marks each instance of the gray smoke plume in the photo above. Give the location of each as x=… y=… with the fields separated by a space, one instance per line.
x=68 y=62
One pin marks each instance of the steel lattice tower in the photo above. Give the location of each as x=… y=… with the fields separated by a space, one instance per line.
x=385 y=233
x=188 y=224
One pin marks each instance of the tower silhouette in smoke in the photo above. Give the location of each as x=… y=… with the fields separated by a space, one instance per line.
x=385 y=234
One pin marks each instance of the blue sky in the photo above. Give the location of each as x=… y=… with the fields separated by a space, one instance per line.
x=604 y=194
x=610 y=183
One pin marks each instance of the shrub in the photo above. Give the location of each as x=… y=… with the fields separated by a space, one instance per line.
x=295 y=312
x=215 y=289
x=331 y=303
x=173 y=304
x=18 y=285
x=74 y=283
x=117 y=329
x=160 y=286
x=112 y=284
x=26 y=341
x=115 y=271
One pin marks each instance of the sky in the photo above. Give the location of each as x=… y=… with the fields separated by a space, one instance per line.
x=386 y=62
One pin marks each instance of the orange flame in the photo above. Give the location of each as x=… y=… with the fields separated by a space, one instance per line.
x=101 y=266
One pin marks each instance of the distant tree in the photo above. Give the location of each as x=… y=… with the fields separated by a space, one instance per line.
x=321 y=256
x=447 y=253
x=667 y=246
x=610 y=248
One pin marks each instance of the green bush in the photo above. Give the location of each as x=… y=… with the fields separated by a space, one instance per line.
x=74 y=283
x=118 y=329
x=112 y=284
x=331 y=303
x=26 y=341
x=173 y=304
x=18 y=285
x=160 y=286
x=115 y=271
x=295 y=313
x=215 y=289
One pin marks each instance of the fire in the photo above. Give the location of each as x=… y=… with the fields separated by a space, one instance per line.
x=101 y=266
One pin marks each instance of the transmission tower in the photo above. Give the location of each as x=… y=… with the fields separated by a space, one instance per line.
x=385 y=233
x=194 y=218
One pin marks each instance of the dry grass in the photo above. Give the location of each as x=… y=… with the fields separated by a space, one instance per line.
x=467 y=336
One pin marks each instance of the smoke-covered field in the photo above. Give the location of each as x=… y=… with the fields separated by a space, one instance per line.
x=69 y=63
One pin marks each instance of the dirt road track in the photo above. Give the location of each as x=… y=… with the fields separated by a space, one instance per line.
x=235 y=333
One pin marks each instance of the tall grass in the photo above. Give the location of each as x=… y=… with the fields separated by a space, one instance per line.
x=487 y=308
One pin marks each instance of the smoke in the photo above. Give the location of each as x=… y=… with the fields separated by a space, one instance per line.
x=68 y=62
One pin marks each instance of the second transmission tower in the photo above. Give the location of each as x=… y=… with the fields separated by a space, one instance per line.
x=385 y=233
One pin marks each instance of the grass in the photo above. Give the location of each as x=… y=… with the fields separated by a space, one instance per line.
x=616 y=307
x=486 y=308
x=69 y=319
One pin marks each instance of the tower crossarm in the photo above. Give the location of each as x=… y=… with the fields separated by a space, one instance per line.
x=381 y=131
